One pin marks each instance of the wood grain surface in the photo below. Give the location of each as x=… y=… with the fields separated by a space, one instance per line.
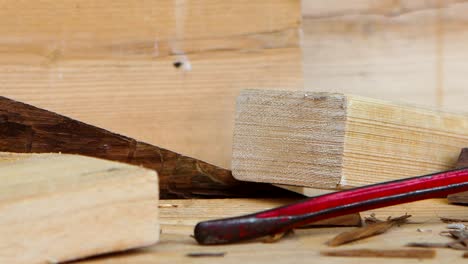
x=59 y=207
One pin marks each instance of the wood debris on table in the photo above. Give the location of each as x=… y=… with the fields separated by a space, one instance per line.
x=456 y=231
x=373 y=228
x=205 y=254
x=453 y=220
x=382 y=253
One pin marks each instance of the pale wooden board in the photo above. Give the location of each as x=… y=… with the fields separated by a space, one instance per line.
x=51 y=28
x=110 y=64
x=407 y=50
x=58 y=207
x=190 y=212
x=303 y=247
x=329 y=141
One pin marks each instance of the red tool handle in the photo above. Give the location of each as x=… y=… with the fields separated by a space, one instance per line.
x=331 y=205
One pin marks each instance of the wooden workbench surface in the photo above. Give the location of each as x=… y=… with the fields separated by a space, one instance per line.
x=178 y=218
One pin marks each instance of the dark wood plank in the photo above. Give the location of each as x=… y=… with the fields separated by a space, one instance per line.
x=28 y=129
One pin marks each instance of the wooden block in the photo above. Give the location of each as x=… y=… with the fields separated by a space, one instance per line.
x=59 y=207
x=164 y=72
x=332 y=141
x=25 y=128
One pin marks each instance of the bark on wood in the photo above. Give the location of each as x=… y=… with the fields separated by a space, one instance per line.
x=28 y=129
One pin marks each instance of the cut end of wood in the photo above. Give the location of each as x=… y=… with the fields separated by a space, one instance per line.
x=283 y=137
x=64 y=207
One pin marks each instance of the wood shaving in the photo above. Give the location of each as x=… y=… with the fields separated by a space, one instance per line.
x=277 y=237
x=206 y=254
x=374 y=227
x=168 y=206
x=453 y=220
x=459 y=235
x=383 y=253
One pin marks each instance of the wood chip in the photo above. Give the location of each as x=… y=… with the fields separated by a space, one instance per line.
x=453 y=220
x=168 y=206
x=277 y=237
x=460 y=241
x=375 y=228
x=427 y=245
x=205 y=254
x=383 y=253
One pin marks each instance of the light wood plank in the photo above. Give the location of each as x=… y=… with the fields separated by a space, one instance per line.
x=111 y=64
x=58 y=207
x=329 y=141
x=408 y=50
x=51 y=28
x=188 y=112
x=190 y=212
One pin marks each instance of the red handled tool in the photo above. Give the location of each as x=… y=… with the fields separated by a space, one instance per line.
x=321 y=207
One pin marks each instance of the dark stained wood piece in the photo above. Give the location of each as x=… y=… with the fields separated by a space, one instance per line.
x=28 y=129
x=461 y=198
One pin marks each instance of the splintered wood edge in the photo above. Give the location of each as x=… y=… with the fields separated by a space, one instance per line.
x=247 y=155
x=122 y=215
